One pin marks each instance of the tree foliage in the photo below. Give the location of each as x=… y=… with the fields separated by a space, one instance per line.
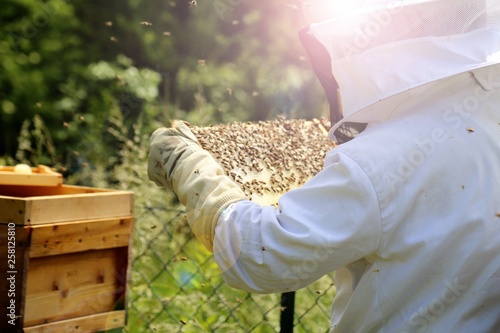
x=70 y=69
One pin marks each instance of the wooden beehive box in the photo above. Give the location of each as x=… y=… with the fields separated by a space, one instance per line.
x=65 y=257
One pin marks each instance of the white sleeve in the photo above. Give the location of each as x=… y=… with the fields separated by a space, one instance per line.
x=331 y=221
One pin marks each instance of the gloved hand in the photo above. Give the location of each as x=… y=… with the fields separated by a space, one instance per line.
x=168 y=145
x=177 y=161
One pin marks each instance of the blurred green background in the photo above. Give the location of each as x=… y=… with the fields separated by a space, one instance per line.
x=73 y=70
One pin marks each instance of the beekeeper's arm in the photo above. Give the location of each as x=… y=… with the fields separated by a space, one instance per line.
x=330 y=222
x=177 y=161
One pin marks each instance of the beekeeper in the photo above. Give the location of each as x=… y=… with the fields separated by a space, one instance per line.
x=407 y=213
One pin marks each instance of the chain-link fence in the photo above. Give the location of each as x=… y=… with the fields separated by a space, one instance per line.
x=176 y=286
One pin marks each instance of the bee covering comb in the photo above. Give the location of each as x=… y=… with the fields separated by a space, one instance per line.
x=267 y=158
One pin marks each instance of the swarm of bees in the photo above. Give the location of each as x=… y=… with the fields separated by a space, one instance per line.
x=268 y=158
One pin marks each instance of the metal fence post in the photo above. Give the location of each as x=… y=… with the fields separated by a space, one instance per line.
x=287 y=312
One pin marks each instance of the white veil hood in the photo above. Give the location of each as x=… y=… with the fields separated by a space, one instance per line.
x=385 y=50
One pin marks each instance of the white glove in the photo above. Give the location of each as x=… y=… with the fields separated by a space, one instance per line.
x=177 y=161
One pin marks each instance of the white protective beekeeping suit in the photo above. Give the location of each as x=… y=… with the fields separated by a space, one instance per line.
x=407 y=214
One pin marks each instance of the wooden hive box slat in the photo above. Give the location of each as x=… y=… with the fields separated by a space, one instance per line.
x=71 y=257
x=31 y=205
x=41 y=176
x=14 y=210
x=70 y=237
x=92 y=323
x=73 y=285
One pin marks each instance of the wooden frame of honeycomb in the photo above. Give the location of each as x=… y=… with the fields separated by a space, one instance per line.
x=268 y=158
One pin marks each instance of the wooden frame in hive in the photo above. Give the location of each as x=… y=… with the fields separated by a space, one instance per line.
x=268 y=158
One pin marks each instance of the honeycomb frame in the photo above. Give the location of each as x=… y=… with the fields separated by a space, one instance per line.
x=268 y=158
